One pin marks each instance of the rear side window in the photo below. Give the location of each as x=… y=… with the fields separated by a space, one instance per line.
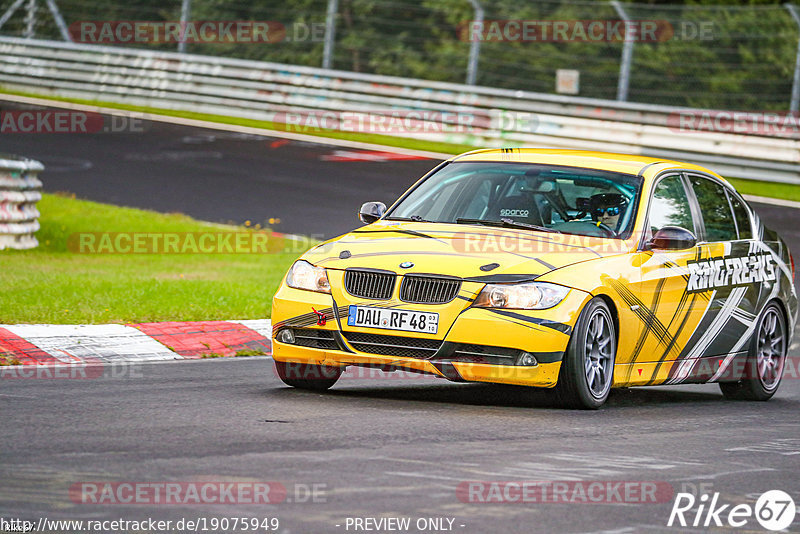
x=715 y=209
x=742 y=217
x=670 y=206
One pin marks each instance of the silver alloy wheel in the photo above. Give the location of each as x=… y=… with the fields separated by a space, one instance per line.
x=598 y=355
x=771 y=349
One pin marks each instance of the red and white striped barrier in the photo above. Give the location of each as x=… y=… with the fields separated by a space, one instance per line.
x=27 y=344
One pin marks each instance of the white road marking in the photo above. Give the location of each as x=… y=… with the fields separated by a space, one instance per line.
x=783 y=446
x=420 y=475
x=725 y=473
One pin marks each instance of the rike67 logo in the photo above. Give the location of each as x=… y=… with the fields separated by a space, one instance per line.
x=774 y=510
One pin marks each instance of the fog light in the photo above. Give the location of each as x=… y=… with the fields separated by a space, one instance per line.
x=286 y=336
x=528 y=359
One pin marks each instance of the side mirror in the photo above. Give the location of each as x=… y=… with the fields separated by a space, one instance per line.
x=371 y=212
x=672 y=238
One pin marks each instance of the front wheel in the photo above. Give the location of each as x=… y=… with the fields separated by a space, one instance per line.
x=765 y=361
x=307 y=376
x=587 y=371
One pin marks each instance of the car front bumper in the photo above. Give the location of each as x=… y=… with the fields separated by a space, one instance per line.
x=474 y=345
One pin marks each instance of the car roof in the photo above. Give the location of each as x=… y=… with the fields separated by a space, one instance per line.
x=607 y=161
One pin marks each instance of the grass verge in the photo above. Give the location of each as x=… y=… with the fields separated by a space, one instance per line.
x=239 y=354
x=766 y=189
x=6 y=359
x=56 y=284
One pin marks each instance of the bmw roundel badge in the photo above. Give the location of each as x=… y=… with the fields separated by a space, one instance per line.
x=407 y=265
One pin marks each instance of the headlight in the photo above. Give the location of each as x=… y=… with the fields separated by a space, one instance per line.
x=528 y=296
x=303 y=275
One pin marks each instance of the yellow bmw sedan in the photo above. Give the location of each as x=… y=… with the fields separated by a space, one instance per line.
x=579 y=271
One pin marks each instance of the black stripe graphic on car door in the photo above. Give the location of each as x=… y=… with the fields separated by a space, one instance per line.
x=678 y=332
x=646 y=330
x=681 y=304
x=644 y=313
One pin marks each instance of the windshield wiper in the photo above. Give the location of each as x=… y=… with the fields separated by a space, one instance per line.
x=507 y=223
x=484 y=222
x=415 y=218
x=515 y=224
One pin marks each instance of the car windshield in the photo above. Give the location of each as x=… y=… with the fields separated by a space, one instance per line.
x=525 y=195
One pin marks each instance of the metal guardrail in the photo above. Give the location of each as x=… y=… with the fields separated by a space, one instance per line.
x=267 y=91
x=19 y=192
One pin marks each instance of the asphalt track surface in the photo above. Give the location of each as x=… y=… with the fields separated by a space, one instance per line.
x=379 y=447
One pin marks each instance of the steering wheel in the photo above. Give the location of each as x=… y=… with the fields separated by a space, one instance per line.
x=606 y=229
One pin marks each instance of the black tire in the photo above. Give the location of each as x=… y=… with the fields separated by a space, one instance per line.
x=587 y=371
x=307 y=376
x=765 y=359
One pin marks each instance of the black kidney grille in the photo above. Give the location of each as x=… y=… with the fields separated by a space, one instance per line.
x=428 y=289
x=369 y=284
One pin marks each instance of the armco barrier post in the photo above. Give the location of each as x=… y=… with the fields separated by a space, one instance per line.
x=330 y=34
x=30 y=20
x=793 y=104
x=627 y=54
x=186 y=9
x=475 y=44
x=20 y=190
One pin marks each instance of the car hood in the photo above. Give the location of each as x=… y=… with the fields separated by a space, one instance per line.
x=466 y=251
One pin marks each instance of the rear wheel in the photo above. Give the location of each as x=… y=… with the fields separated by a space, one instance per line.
x=765 y=361
x=307 y=376
x=587 y=371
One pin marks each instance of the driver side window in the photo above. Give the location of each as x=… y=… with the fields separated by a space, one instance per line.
x=670 y=206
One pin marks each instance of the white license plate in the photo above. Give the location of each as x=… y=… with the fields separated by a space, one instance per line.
x=389 y=319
